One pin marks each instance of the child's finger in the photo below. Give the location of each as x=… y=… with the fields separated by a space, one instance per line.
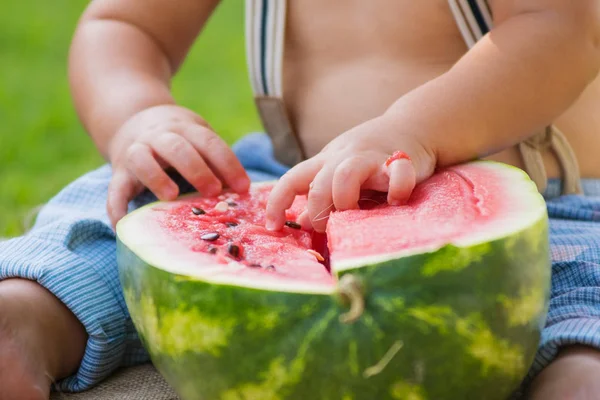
x=295 y=182
x=182 y=156
x=304 y=220
x=122 y=188
x=402 y=181
x=378 y=182
x=142 y=164
x=348 y=179
x=219 y=156
x=320 y=199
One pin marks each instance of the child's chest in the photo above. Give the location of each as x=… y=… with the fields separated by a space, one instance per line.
x=336 y=63
x=345 y=29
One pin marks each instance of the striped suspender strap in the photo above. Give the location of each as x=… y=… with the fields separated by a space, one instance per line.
x=473 y=17
x=265 y=25
x=474 y=20
x=265 y=34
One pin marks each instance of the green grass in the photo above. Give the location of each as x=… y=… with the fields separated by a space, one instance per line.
x=42 y=144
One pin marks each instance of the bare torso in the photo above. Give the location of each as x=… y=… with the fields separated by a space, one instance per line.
x=351 y=60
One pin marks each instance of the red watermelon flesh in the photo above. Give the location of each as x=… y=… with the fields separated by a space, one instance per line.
x=459 y=203
x=456 y=204
x=268 y=256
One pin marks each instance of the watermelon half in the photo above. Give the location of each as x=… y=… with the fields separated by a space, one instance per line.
x=441 y=298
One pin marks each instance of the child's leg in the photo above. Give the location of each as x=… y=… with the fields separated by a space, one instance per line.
x=575 y=374
x=71 y=253
x=39 y=339
x=567 y=365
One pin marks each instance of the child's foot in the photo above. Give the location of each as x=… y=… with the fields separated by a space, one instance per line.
x=574 y=375
x=40 y=340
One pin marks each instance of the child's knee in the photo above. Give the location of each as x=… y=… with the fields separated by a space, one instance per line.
x=573 y=375
x=40 y=327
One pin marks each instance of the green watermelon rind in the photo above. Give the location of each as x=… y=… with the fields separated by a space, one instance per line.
x=340 y=267
x=484 y=312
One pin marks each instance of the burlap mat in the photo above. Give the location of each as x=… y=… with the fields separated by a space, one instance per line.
x=136 y=383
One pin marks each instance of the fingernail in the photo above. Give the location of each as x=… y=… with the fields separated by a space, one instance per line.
x=241 y=185
x=303 y=220
x=395 y=202
x=213 y=190
x=172 y=191
x=270 y=225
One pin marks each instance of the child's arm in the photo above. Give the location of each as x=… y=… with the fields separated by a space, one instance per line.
x=519 y=78
x=516 y=80
x=122 y=59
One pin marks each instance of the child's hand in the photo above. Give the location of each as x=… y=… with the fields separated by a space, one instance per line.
x=169 y=136
x=353 y=161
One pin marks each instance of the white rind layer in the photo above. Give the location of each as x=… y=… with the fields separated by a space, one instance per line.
x=524 y=193
x=145 y=239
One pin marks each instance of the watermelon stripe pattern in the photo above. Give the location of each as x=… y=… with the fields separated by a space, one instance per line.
x=457 y=320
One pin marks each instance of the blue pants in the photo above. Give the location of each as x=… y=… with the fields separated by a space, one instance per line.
x=71 y=252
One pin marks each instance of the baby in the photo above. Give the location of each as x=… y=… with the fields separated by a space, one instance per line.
x=441 y=81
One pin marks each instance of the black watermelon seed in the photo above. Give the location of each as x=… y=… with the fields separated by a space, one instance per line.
x=212 y=249
x=270 y=268
x=231 y=203
x=233 y=250
x=231 y=224
x=293 y=225
x=210 y=236
x=198 y=211
x=254 y=265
